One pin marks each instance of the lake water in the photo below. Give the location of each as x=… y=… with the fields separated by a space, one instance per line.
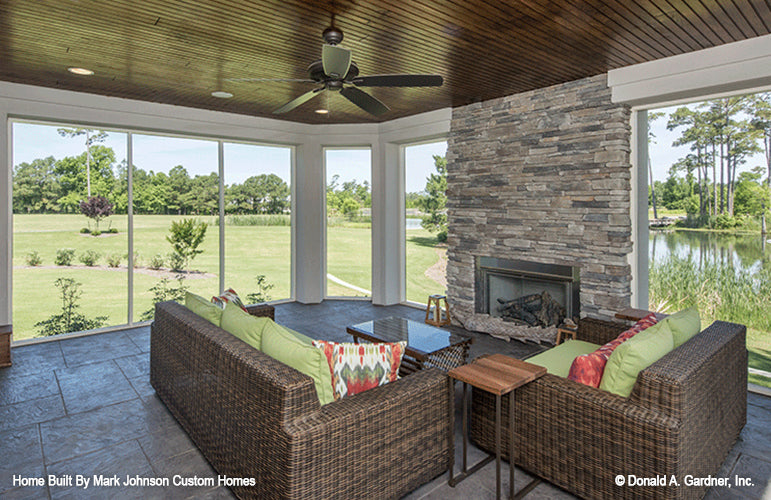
x=413 y=223
x=747 y=252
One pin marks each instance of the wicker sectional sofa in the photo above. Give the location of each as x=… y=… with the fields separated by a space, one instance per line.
x=682 y=418
x=254 y=417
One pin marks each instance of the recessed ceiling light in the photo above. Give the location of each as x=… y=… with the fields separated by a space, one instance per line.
x=81 y=71
x=222 y=94
x=322 y=111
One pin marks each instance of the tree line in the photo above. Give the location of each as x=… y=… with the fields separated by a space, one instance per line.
x=722 y=135
x=50 y=185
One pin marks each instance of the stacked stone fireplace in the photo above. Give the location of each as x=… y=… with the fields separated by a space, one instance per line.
x=541 y=178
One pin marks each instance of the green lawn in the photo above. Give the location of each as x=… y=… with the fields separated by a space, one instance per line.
x=250 y=251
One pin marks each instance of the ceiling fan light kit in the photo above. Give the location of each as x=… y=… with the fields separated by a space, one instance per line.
x=337 y=72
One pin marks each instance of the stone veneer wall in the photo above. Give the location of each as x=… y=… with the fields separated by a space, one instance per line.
x=543 y=176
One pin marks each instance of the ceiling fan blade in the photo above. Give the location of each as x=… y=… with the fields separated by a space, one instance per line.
x=269 y=80
x=364 y=101
x=298 y=101
x=398 y=81
x=336 y=61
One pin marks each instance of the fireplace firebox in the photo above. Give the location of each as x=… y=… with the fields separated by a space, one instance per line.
x=503 y=285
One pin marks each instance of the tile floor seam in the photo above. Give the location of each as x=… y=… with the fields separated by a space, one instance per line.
x=127 y=379
x=147 y=457
x=43 y=457
x=61 y=394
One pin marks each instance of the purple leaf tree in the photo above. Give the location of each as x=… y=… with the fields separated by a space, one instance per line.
x=97 y=208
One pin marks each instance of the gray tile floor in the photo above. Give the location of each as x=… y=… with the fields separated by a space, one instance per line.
x=85 y=406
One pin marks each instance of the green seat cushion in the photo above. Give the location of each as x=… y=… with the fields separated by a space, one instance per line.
x=290 y=348
x=203 y=308
x=684 y=325
x=557 y=360
x=243 y=325
x=635 y=355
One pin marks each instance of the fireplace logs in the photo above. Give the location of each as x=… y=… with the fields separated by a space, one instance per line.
x=538 y=309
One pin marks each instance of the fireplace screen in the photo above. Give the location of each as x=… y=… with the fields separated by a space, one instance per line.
x=526 y=293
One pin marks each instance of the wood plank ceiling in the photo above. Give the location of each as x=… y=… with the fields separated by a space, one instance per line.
x=179 y=51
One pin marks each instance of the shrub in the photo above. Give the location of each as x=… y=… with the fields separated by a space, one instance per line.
x=262 y=291
x=68 y=320
x=85 y=230
x=112 y=230
x=64 y=256
x=185 y=238
x=176 y=262
x=95 y=232
x=34 y=259
x=163 y=291
x=257 y=220
x=156 y=261
x=113 y=260
x=90 y=257
x=441 y=236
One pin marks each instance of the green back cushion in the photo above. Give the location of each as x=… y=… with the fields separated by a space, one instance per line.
x=243 y=325
x=557 y=360
x=203 y=308
x=635 y=355
x=290 y=348
x=684 y=325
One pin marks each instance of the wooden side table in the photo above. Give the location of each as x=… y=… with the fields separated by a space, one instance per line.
x=499 y=375
x=631 y=314
x=5 y=345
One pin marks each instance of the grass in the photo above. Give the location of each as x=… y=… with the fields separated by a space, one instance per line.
x=721 y=293
x=250 y=250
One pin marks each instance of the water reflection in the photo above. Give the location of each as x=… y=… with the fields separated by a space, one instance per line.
x=740 y=251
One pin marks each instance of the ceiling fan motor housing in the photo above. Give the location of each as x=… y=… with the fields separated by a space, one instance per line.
x=332 y=35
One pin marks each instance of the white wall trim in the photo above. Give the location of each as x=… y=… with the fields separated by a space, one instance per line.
x=739 y=66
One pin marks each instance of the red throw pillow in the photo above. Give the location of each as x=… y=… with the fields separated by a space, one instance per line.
x=356 y=368
x=587 y=369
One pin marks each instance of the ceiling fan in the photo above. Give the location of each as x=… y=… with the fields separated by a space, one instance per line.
x=336 y=72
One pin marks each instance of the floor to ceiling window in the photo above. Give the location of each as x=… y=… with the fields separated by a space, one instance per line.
x=349 y=222
x=709 y=200
x=70 y=238
x=72 y=191
x=176 y=197
x=258 y=208
x=425 y=183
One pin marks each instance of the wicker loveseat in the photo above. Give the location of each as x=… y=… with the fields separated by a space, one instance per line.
x=682 y=418
x=254 y=417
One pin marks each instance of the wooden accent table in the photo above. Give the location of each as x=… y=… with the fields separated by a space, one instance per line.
x=6 y=331
x=426 y=344
x=632 y=314
x=499 y=375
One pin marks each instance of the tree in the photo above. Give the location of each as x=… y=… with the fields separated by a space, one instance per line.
x=761 y=121
x=185 y=238
x=97 y=208
x=91 y=138
x=36 y=188
x=434 y=204
x=652 y=117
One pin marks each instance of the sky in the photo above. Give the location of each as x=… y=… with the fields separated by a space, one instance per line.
x=161 y=153
x=663 y=155
x=199 y=157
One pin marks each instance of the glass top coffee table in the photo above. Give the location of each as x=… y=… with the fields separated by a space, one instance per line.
x=426 y=345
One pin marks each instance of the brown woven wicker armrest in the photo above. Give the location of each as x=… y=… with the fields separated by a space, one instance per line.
x=704 y=371
x=397 y=435
x=598 y=331
x=264 y=310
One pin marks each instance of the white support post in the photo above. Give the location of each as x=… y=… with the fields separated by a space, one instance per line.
x=130 y=216
x=221 y=170
x=6 y=220
x=387 y=224
x=639 y=208
x=308 y=229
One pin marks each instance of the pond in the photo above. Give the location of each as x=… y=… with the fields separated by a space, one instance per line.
x=745 y=252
